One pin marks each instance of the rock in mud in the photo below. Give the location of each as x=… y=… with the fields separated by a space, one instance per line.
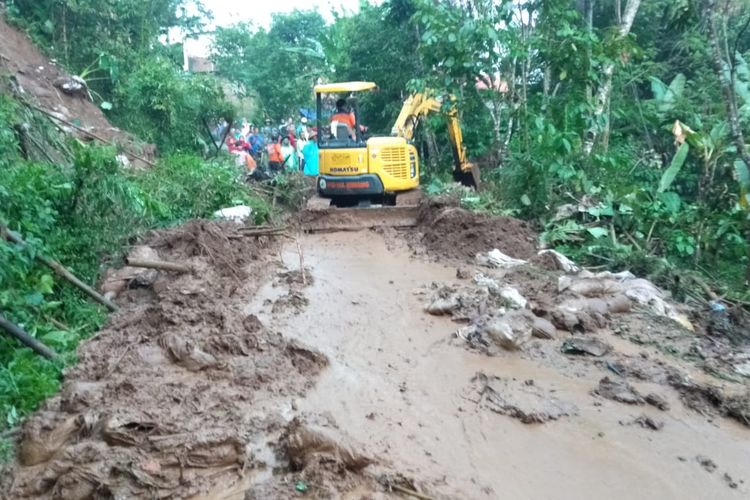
x=618 y=390
x=710 y=400
x=649 y=423
x=730 y=481
x=443 y=306
x=543 y=329
x=528 y=402
x=185 y=353
x=306 y=446
x=44 y=436
x=513 y=297
x=463 y=273
x=510 y=330
x=588 y=314
x=585 y=345
x=658 y=401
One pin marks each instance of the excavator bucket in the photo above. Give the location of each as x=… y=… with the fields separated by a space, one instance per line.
x=321 y=215
x=469 y=176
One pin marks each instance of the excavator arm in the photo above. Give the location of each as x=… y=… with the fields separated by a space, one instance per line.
x=419 y=105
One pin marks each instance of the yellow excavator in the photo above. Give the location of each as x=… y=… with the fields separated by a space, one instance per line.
x=374 y=181
x=351 y=165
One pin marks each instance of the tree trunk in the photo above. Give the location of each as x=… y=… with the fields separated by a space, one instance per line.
x=605 y=89
x=723 y=72
x=588 y=6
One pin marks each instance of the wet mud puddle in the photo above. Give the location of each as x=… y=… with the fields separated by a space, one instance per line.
x=400 y=383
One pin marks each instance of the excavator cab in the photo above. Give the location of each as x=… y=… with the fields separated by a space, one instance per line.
x=352 y=166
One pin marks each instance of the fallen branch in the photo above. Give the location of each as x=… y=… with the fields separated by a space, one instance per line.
x=262 y=231
x=90 y=134
x=160 y=265
x=301 y=262
x=59 y=324
x=60 y=270
x=707 y=289
x=26 y=339
x=10 y=433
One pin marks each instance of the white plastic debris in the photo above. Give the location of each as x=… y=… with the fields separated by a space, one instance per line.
x=498 y=259
x=237 y=213
x=486 y=282
x=123 y=160
x=513 y=297
x=563 y=263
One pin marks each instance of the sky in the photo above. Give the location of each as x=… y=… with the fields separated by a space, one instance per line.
x=228 y=12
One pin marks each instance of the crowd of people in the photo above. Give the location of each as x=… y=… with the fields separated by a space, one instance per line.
x=288 y=147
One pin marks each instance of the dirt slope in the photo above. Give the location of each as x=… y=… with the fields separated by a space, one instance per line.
x=36 y=77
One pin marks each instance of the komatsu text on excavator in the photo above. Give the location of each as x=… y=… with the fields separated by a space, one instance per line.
x=380 y=172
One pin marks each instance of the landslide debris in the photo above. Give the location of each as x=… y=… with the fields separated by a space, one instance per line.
x=450 y=232
x=44 y=84
x=525 y=400
x=182 y=394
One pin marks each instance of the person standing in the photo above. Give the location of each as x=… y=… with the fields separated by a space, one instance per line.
x=275 y=157
x=310 y=153
x=302 y=139
x=289 y=153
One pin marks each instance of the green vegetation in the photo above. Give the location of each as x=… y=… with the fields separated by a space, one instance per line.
x=85 y=216
x=75 y=203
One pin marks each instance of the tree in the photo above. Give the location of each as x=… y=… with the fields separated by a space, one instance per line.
x=278 y=66
x=600 y=116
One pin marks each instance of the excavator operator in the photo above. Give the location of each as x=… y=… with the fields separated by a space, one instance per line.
x=345 y=116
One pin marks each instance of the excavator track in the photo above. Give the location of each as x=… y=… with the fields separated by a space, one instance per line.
x=320 y=216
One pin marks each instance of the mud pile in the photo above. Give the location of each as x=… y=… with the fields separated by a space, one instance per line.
x=450 y=232
x=182 y=394
x=574 y=317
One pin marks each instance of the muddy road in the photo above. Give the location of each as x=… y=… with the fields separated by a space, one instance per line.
x=400 y=383
x=310 y=368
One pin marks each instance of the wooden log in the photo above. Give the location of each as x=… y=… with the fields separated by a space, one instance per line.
x=160 y=265
x=26 y=339
x=61 y=271
x=262 y=231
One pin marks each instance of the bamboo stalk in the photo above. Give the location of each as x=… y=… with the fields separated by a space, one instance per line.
x=160 y=265
x=61 y=271
x=26 y=339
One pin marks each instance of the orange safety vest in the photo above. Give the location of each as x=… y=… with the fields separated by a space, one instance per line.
x=347 y=118
x=274 y=152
